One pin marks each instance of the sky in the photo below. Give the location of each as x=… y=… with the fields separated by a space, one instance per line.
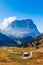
x=22 y=9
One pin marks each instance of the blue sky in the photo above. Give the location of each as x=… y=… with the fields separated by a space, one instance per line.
x=23 y=9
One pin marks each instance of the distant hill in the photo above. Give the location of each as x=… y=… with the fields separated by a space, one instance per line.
x=24 y=41
x=6 y=41
x=39 y=37
x=9 y=41
x=38 y=41
x=21 y=42
x=31 y=42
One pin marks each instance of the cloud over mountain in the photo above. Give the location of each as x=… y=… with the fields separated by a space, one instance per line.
x=7 y=21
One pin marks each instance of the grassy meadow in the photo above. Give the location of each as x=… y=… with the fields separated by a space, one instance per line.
x=7 y=58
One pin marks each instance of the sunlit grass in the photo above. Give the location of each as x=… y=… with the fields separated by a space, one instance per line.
x=7 y=58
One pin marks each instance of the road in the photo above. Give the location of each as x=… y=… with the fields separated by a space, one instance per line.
x=17 y=53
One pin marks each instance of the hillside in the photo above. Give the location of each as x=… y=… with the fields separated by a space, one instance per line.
x=6 y=41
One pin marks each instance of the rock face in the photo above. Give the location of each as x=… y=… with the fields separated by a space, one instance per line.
x=22 y=28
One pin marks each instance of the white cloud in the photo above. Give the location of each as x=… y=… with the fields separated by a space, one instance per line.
x=7 y=21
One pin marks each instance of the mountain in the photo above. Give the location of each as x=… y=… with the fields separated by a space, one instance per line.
x=22 y=28
x=6 y=41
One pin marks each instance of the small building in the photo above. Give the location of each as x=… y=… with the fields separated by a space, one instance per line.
x=25 y=54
